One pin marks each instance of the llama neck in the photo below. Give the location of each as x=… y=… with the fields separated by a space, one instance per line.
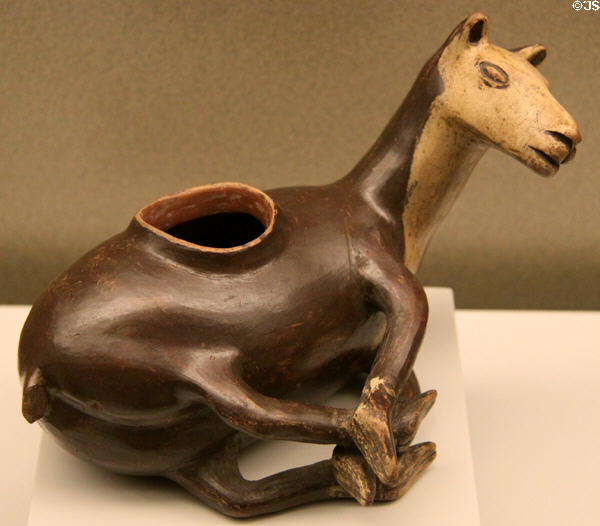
x=381 y=177
x=414 y=172
x=443 y=159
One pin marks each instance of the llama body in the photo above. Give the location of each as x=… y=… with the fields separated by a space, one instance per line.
x=157 y=355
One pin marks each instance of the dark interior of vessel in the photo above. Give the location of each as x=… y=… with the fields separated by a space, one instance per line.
x=222 y=230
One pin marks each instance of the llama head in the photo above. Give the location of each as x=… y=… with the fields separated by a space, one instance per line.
x=500 y=97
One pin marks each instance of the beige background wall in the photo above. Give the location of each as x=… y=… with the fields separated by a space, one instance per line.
x=106 y=105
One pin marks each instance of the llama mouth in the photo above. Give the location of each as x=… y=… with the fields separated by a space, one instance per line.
x=548 y=159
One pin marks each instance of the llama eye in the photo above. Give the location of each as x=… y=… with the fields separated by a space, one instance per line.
x=493 y=76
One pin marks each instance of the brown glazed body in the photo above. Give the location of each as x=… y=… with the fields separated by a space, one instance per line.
x=158 y=353
x=132 y=320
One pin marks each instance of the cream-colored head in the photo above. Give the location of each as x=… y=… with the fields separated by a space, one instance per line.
x=501 y=97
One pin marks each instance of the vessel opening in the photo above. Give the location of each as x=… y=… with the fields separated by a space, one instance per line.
x=217 y=217
x=223 y=230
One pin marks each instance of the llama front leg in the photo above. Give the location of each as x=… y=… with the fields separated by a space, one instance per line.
x=216 y=377
x=395 y=290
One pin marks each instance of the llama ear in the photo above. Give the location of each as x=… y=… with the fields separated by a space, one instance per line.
x=534 y=54
x=474 y=29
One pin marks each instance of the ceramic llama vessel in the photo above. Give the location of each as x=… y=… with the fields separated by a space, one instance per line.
x=224 y=314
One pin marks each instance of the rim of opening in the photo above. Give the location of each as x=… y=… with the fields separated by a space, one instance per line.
x=199 y=201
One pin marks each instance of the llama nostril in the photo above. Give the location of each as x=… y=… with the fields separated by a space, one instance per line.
x=568 y=142
x=569 y=156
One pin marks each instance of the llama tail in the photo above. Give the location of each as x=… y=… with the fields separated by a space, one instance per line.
x=35 y=398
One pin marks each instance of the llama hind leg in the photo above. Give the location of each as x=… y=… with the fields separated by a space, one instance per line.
x=216 y=377
x=217 y=482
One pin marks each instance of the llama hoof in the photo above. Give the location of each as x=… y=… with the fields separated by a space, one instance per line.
x=354 y=475
x=407 y=417
x=372 y=435
x=357 y=478
x=411 y=463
